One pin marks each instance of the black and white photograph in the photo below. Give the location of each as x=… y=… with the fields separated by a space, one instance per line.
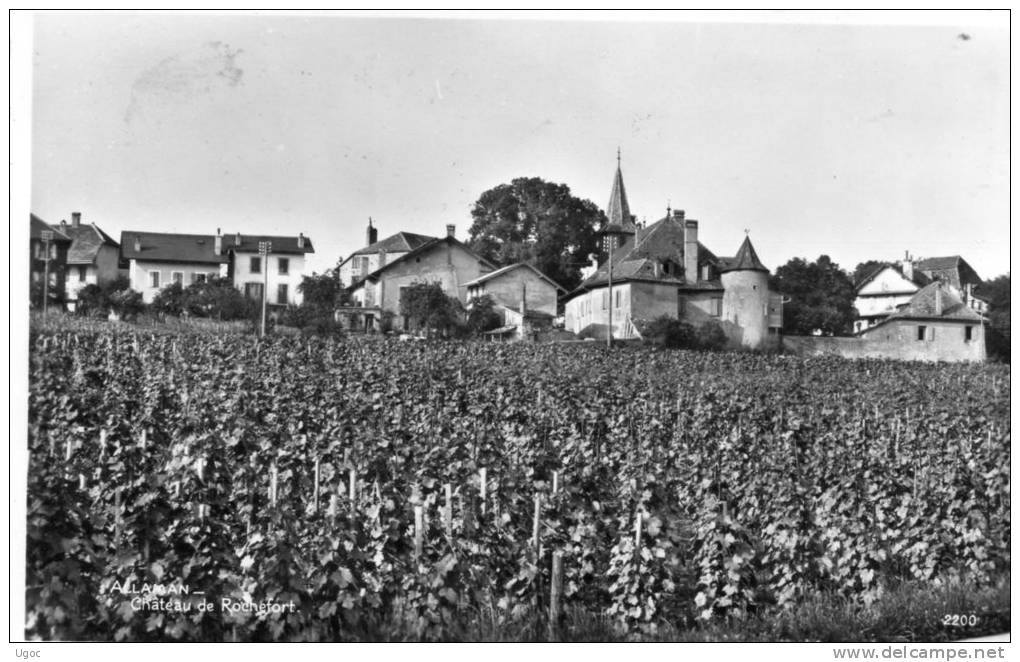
x=535 y=327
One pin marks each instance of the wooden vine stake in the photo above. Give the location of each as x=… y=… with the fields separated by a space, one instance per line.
x=143 y=442
x=102 y=444
x=352 y=486
x=555 y=590
x=637 y=532
x=556 y=482
x=418 y=532
x=448 y=511
x=315 y=493
x=117 y=521
x=483 y=486
x=273 y=476
x=535 y=530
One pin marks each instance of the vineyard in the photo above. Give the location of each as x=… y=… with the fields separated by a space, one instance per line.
x=319 y=489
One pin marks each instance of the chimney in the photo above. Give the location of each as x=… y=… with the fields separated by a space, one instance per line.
x=75 y=219
x=301 y=240
x=218 y=243
x=451 y=230
x=938 y=299
x=371 y=234
x=237 y=239
x=63 y=223
x=907 y=266
x=138 y=243
x=690 y=250
x=968 y=295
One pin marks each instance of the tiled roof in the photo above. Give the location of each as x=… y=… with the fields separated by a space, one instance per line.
x=951 y=269
x=37 y=226
x=663 y=240
x=250 y=243
x=415 y=253
x=401 y=242
x=923 y=306
x=86 y=240
x=165 y=247
x=920 y=278
x=746 y=259
x=200 y=248
x=938 y=263
x=499 y=272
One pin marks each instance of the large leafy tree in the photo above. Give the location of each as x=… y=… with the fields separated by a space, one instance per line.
x=864 y=269
x=821 y=297
x=323 y=291
x=532 y=220
x=428 y=307
x=997 y=292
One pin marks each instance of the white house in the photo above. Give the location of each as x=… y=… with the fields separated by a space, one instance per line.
x=154 y=260
x=92 y=259
x=891 y=286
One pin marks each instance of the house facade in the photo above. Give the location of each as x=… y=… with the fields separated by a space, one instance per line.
x=376 y=254
x=445 y=261
x=663 y=270
x=524 y=297
x=47 y=263
x=280 y=271
x=92 y=259
x=155 y=260
x=934 y=325
x=891 y=286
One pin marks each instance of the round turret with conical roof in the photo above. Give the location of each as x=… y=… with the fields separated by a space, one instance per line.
x=745 y=304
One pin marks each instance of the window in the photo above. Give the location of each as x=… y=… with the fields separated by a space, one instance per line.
x=255 y=266
x=922 y=331
x=605 y=300
x=38 y=251
x=281 y=293
x=617 y=302
x=154 y=279
x=82 y=269
x=177 y=277
x=716 y=307
x=53 y=279
x=968 y=333
x=284 y=265
x=253 y=290
x=197 y=277
x=364 y=265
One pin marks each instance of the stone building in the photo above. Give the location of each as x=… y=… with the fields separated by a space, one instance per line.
x=663 y=270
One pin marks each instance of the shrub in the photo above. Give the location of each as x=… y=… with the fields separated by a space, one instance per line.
x=711 y=336
x=669 y=332
x=170 y=300
x=483 y=316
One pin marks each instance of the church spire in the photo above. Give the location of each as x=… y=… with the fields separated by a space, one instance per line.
x=618 y=211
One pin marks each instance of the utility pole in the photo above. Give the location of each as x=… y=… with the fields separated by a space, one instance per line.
x=47 y=237
x=265 y=247
x=610 y=239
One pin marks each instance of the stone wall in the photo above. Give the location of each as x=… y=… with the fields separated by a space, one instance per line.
x=945 y=341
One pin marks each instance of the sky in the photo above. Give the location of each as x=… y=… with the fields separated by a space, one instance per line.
x=858 y=141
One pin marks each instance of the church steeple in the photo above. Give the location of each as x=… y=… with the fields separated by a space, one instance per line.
x=618 y=211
